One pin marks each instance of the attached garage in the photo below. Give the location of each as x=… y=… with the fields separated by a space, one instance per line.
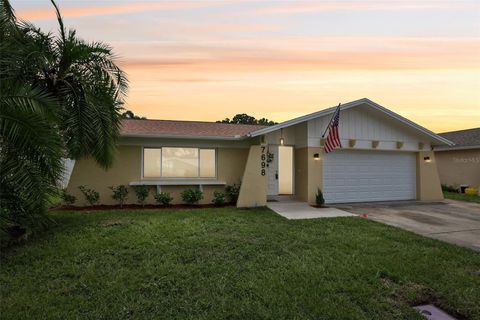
x=362 y=176
x=383 y=156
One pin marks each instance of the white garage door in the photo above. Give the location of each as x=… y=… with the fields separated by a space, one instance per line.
x=361 y=176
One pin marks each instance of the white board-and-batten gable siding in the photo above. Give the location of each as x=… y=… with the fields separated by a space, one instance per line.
x=364 y=125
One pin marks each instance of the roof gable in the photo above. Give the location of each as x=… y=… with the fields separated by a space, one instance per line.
x=438 y=139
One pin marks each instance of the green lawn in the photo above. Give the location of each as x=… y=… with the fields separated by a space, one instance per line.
x=461 y=196
x=236 y=264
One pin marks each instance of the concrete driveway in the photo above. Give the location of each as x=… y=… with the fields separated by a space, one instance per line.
x=451 y=221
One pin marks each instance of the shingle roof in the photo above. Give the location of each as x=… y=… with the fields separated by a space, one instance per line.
x=463 y=138
x=172 y=128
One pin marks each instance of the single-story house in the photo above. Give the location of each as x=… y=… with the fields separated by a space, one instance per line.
x=384 y=157
x=460 y=164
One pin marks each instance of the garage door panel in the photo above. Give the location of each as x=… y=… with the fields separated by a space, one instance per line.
x=359 y=176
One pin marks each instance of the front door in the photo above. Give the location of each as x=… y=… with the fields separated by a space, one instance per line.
x=279 y=170
x=285 y=170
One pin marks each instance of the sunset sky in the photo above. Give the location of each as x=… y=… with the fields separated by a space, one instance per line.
x=208 y=60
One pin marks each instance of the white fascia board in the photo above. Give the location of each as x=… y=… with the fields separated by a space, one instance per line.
x=349 y=105
x=454 y=148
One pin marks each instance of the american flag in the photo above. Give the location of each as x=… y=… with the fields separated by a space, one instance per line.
x=333 y=138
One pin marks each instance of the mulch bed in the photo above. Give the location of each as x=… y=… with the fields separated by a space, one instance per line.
x=138 y=207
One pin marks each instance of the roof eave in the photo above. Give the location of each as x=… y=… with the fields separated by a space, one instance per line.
x=455 y=148
x=195 y=137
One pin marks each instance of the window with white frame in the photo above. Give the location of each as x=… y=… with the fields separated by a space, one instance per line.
x=176 y=162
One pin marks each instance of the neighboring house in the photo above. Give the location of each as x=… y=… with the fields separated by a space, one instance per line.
x=460 y=164
x=384 y=157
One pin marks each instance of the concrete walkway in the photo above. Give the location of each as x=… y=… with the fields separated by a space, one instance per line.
x=294 y=210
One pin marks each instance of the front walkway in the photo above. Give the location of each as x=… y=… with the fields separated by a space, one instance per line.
x=294 y=210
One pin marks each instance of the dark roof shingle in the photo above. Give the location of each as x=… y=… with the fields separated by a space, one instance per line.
x=185 y=128
x=463 y=138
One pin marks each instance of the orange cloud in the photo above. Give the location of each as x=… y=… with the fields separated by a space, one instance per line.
x=83 y=11
x=312 y=54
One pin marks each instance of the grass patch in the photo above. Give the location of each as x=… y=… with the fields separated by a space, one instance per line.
x=461 y=197
x=230 y=263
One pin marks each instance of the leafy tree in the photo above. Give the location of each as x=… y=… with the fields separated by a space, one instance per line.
x=130 y=115
x=266 y=122
x=59 y=97
x=243 y=118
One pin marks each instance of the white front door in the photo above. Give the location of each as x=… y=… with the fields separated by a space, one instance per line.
x=272 y=170
x=285 y=170
x=362 y=176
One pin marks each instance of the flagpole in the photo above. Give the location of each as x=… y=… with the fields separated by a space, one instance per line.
x=323 y=135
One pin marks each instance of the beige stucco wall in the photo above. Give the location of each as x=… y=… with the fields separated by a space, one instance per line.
x=308 y=173
x=315 y=173
x=458 y=167
x=428 y=182
x=253 y=192
x=301 y=174
x=127 y=168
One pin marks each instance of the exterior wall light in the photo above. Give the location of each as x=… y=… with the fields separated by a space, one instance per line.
x=316 y=156
x=427 y=159
x=282 y=141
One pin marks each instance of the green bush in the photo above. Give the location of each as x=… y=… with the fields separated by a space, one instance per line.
x=319 y=200
x=232 y=192
x=91 y=195
x=448 y=188
x=218 y=198
x=164 y=198
x=142 y=193
x=67 y=198
x=120 y=194
x=192 y=196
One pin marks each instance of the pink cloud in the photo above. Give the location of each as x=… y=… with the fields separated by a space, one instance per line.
x=84 y=11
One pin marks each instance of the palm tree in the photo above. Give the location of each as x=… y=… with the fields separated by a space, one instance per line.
x=59 y=96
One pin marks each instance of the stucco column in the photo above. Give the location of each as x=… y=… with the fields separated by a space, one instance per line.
x=315 y=172
x=428 y=182
x=253 y=191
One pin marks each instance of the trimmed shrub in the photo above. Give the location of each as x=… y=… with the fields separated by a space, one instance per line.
x=192 y=196
x=164 y=198
x=91 y=195
x=218 y=198
x=142 y=193
x=67 y=198
x=319 y=200
x=232 y=192
x=120 y=194
x=448 y=188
